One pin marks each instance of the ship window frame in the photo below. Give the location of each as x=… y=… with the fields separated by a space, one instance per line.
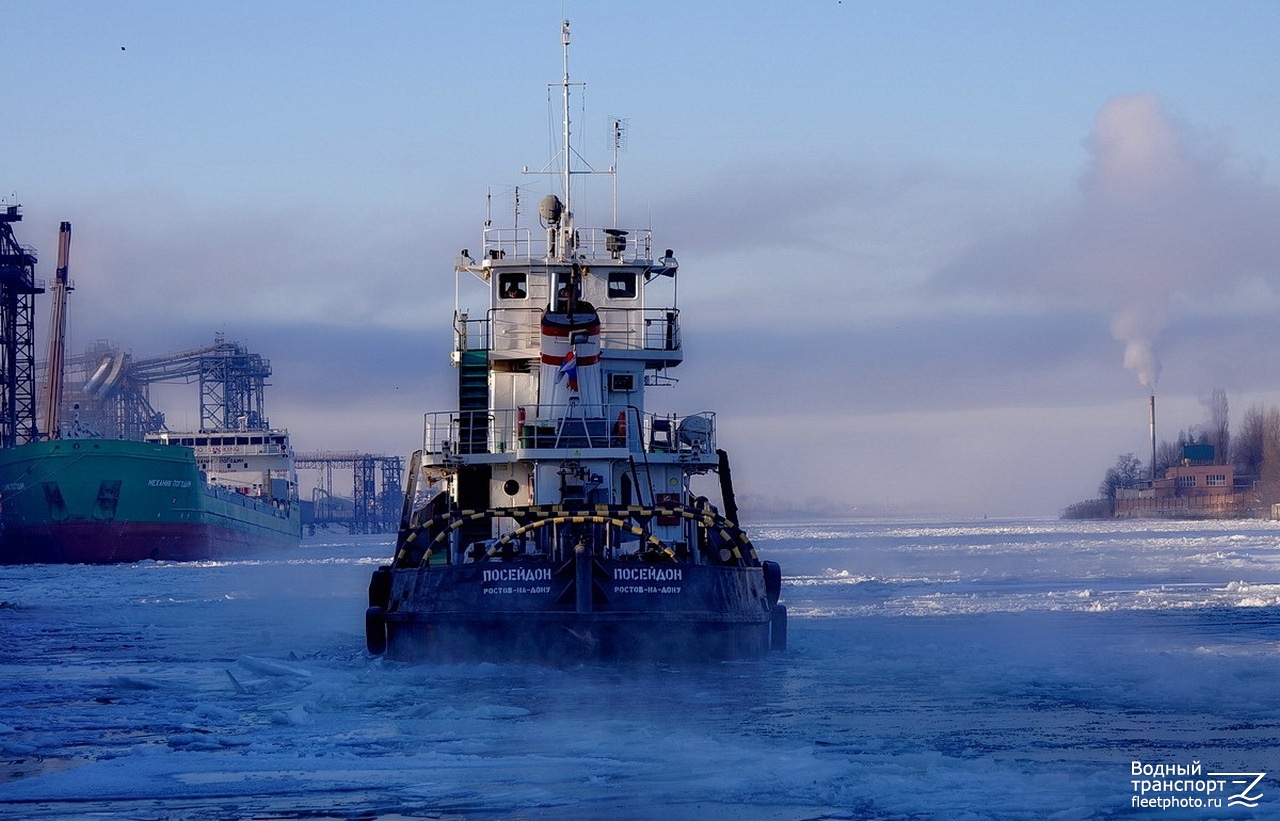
x=515 y=280
x=562 y=286
x=622 y=285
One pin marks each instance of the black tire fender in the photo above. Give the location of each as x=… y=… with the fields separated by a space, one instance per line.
x=778 y=628
x=772 y=581
x=380 y=587
x=375 y=630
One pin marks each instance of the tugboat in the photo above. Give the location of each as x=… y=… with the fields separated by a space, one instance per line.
x=552 y=515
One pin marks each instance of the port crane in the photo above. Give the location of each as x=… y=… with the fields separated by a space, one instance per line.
x=109 y=389
x=18 y=289
x=105 y=392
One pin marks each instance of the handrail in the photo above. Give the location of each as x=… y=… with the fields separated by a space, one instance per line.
x=516 y=328
x=630 y=245
x=577 y=426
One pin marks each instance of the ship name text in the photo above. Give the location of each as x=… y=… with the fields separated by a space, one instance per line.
x=517 y=574
x=648 y=574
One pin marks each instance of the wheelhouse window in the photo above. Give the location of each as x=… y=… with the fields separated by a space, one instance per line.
x=512 y=286
x=562 y=291
x=622 y=285
x=562 y=285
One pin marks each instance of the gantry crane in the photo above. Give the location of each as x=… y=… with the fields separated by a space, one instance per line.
x=112 y=397
x=18 y=289
x=104 y=392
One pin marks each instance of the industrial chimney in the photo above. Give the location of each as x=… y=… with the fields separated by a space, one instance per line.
x=1153 y=437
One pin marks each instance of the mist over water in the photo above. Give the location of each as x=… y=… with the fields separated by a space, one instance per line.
x=979 y=670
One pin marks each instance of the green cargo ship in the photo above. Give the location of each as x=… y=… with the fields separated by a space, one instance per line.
x=70 y=495
x=175 y=497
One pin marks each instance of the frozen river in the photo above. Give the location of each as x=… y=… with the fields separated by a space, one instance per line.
x=981 y=670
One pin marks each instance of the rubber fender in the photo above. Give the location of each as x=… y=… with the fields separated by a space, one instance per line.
x=772 y=581
x=380 y=587
x=778 y=627
x=375 y=630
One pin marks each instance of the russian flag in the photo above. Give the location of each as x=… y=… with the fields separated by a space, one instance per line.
x=569 y=368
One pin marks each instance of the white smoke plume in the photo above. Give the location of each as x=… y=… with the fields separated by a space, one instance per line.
x=1165 y=225
x=1138 y=331
x=1141 y=170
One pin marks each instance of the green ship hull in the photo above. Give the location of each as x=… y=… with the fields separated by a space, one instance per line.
x=101 y=501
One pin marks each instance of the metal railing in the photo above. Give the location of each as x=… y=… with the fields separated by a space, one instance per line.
x=631 y=245
x=626 y=329
x=574 y=426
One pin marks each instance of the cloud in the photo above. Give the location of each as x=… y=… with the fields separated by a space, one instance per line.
x=905 y=364
x=828 y=242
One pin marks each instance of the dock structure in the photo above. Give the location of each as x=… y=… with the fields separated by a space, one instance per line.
x=376 y=490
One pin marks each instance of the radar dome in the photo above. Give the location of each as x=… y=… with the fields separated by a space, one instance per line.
x=549 y=209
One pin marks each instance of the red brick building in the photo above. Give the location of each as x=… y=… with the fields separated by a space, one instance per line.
x=1190 y=490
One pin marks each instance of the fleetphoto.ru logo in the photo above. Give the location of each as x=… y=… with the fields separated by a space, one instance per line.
x=1188 y=786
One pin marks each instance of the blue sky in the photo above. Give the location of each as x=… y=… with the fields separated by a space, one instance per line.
x=916 y=238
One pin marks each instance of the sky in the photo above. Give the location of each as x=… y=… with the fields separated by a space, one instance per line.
x=934 y=256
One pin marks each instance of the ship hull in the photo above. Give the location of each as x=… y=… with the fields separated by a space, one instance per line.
x=546 y=637
x=113 y=501
x=531 y=611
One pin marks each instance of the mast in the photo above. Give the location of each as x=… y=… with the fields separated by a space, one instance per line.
x=568 y=156
x=616 y=135
x=54 y=372
x=557 y=213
